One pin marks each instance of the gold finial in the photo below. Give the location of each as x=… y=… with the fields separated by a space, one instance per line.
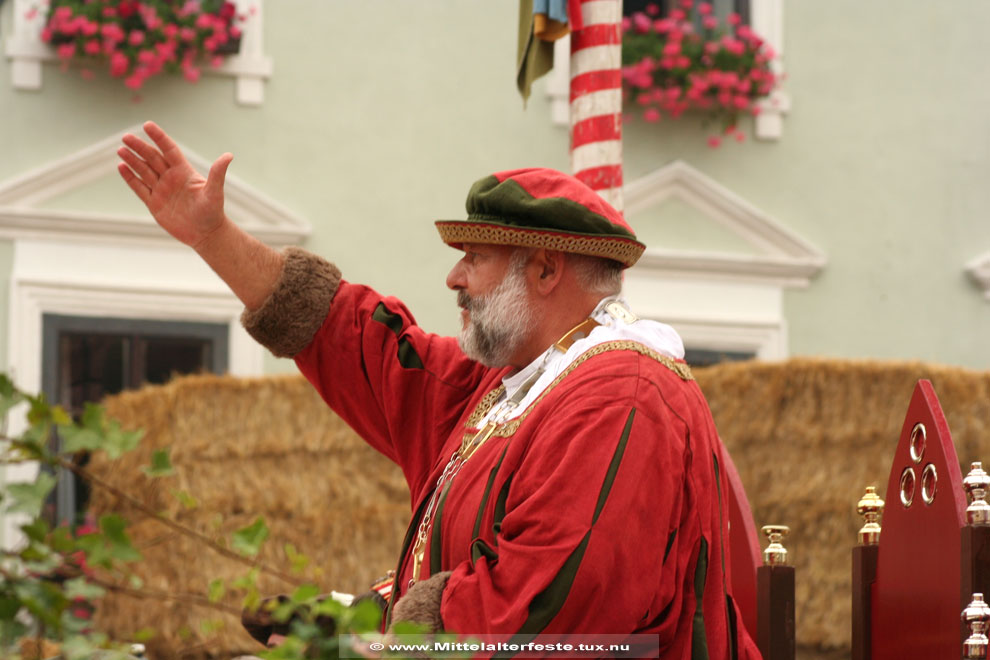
x=976 y=485
x=775 y=554
x=870 y=506
x=977 y=617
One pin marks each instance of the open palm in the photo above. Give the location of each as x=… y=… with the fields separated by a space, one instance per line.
x=187 y=205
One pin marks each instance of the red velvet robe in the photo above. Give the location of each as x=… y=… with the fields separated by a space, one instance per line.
x=601 y=509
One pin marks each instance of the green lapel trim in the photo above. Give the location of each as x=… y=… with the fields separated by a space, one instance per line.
x=613 y=466
x=408 y=357
x=488 y=492
x=481 y=549
x=435 y=543
x=699 y=640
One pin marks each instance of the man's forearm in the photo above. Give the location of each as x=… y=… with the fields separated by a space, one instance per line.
x=249 y=267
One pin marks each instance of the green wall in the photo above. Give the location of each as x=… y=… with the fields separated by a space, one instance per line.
x=381 y=114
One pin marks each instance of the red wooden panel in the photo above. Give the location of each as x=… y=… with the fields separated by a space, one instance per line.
x=744 y=548
x=916 y=601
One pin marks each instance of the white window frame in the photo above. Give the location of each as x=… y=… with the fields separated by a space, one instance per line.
x=251 y=67
x=766 y=19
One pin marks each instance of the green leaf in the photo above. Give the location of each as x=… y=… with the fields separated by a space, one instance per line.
x=144 y=635
x=81 y=588
x=304 y=593
x=119 y=441
x=30 y=497
x=216 y=590
x=185 y=499
x=36 y=530
x=161 y=464
x=297 y=561
x=119 y=544
x=9 y=395
x=9 y=607
x=248 y=540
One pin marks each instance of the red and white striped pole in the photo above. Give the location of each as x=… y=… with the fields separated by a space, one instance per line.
x=596 y=96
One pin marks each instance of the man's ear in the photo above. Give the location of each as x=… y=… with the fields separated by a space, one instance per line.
x=548 y=266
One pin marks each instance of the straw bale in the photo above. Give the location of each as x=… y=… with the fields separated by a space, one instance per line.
x=808 y=435
x=244 y=448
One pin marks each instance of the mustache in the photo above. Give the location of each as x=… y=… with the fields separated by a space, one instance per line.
x=464 y=300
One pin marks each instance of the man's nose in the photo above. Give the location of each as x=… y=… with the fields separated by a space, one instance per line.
x=455 y=278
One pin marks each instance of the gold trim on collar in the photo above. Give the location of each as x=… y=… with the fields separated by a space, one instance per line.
x=682 y=370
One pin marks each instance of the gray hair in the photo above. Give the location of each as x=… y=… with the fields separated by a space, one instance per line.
x=595 y=274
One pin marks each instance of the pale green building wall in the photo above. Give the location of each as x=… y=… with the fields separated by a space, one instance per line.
x=381 y=114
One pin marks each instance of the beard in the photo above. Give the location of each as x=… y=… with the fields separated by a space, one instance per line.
x=499 y=322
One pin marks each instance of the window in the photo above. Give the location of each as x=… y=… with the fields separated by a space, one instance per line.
x=85 y=359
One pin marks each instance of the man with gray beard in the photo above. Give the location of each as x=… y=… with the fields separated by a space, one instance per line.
x=563 y=465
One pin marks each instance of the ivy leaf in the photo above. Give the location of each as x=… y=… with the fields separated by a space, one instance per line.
x=118 y=544
x=81 y=588
x=297 y=561
x=248 y=540
x=30 y=497
x=161 y=464
x=9 y=395
x=216 y=590
x=94 y=432
x=185 y=499
x=304 y=593
x=119 y=442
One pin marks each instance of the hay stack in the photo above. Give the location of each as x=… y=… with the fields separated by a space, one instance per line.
x=245 y=448
x=808 y=435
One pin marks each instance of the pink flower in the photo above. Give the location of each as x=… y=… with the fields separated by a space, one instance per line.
x=678 y=14
x=672 y=48
x=740 y=102
x=683 y=62
x=66 y=51
x=687 y=4
x=134 y=81
x=119 y=64
x=112 y=32
x=733 y=19
x=109 y=12
x=31 y=13
x=136 y=38
x=626 y=24
x=235 y=32
x=641 y=23
x=170 y=30
x=187 y=34
x=92 y=47
x=705 y=9
x=714 y=141
x=663 y=26
x=62 y=14
x=191 y=74
x=46 y=34
x=740 y=136
x=89 y=28
x=217 y=61
x=755 y=110
x=652 y=9
x=204 y=21
x=710 y=23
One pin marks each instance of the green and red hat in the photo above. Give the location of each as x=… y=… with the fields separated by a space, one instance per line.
x=542 y=208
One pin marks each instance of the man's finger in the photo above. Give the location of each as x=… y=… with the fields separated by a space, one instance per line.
x=170 y=150
x=142 y=191
x=147 y=152
x=138 y=165
x=218 y=173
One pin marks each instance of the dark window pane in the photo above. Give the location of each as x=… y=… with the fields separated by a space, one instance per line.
x=160 y=358
x=702 y=357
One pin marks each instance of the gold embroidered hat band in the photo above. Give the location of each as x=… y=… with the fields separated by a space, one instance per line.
x=542 y=208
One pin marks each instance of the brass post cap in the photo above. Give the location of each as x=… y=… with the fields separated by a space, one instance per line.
x=976 y=484
x=870 y=506
x=775 y=553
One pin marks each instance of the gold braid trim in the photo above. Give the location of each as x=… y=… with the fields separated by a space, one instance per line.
x=682 y=371
x=624 y=250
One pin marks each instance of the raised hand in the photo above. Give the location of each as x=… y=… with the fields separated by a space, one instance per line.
x=186 y=205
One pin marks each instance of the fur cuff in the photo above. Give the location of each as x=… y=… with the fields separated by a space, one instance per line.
x=290 y=317
x=421 y=604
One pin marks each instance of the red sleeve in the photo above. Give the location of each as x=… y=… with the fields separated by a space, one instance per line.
x=402 y=389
